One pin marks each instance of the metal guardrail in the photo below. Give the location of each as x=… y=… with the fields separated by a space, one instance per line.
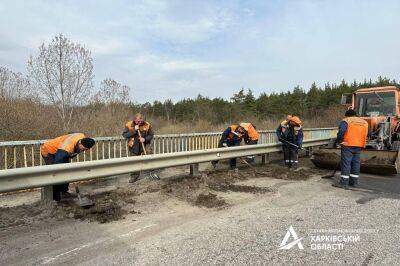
x=20 y=154
x=31 y=177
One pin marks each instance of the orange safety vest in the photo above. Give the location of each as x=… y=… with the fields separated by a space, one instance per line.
x=251 y=131
x=285 y=126
x=142 y=128
x=231 y=135
x=66 y=143
x=356 y=134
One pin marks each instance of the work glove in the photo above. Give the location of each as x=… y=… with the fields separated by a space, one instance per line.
x=136 y=127
x=224 y=144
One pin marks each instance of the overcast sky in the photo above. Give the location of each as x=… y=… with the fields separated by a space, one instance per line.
x=177 y=49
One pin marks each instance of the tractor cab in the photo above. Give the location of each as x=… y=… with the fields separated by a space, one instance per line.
x=380 y=108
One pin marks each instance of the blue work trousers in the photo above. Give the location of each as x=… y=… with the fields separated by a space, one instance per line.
x=350 y=165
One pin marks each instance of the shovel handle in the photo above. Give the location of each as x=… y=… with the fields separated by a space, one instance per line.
x=140 y=136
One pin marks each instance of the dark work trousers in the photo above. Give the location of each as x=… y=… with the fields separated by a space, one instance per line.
x=290 y=155
x=232 y=161
x=136 y=175
x=350 y=165
x=57 y=189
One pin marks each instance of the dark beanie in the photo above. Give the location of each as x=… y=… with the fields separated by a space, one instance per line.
x=350 y=112
x=87 y=142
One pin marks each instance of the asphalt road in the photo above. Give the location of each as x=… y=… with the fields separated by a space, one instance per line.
x=250 y=231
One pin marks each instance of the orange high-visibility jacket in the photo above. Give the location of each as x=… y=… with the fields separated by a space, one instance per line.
x=66 y=143
x=144 y=128
x=251 y=131
x=231 y=135
x=356 y=133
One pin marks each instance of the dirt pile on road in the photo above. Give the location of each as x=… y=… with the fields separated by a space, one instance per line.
x=26 y=214
x=209 y=200
x=303 y=172
x=206 y=190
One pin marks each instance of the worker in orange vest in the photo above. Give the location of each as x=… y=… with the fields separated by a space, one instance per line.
x=290 y=133
x=232 y=136
x=139 y=134
x=352 y=137
x=61 y=150
x=250 y=137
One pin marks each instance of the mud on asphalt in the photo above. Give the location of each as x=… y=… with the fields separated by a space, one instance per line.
x=202 y=191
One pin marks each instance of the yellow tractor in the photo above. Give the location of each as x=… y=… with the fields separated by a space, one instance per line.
x=380 y=108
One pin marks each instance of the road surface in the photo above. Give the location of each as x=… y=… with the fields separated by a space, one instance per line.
x=248 y=229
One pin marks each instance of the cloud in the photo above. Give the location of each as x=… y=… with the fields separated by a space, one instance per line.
x=176 y=49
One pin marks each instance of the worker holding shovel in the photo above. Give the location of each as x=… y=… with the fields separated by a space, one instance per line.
x=231 y=137
x=139 y=135
x=352 y=137
x=290 y=133
x=61 y=150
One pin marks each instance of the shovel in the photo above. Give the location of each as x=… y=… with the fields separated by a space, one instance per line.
x=253 y=168
x=152 y=174
x=338 y=168
x=83 y=202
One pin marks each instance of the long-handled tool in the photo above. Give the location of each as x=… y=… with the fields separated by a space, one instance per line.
x=83 y=202
x=140 y=137
x=152 y=174
x=253 y=168
x=337 y=168
x=294 y=145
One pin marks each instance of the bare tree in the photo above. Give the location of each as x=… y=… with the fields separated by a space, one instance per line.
x=62 y=72
x=13 y=85
x=112 y=92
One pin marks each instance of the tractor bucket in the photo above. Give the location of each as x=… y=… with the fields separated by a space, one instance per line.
x=372 y=161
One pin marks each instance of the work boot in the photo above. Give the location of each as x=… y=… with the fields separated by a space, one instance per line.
x=340 y=185
x=250 y=159
x=214 y=164
x=343 y=183
x=353 y=182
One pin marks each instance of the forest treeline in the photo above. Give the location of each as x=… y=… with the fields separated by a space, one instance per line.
x=307 y=103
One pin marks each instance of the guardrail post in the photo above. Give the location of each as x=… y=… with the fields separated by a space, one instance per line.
x=309 y=151
x=47 y=193
x=194 y=169
x=265 y=158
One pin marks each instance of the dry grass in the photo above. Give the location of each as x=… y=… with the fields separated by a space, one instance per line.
x=26 y=119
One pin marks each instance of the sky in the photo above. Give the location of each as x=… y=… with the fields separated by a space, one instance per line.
x=179 y=49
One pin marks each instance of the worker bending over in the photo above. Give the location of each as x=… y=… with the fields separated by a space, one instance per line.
x=62 y=150
x=139 y=135
x=352 y=137
x=290 y=133
x=250 y=137
x=232 y=136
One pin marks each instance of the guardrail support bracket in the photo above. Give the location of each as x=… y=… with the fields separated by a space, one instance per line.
x=194 y=169
x=47 y=193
